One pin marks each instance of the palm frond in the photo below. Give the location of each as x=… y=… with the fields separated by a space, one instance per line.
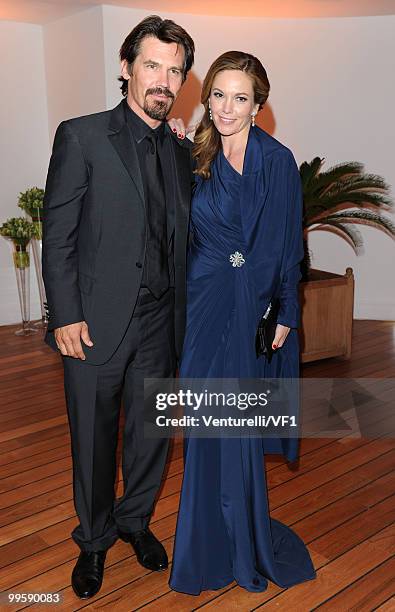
x=365 y=217
x=337 y=173
x=365 y=183
x=322 y=180
x=332 y=203
x=338 y=199
x=308 y=171
x=346 y=231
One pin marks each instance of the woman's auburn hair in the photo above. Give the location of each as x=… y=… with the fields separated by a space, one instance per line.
x=207 y=140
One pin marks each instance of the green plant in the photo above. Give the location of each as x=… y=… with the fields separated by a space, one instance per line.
x=339 y=199
x=20 y=231
x=31 y=201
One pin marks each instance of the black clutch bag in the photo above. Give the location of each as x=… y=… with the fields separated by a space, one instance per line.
x=267 y=330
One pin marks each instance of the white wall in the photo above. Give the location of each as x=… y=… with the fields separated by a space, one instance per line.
x=74 y=63
x=24 y=142
x=332 y=95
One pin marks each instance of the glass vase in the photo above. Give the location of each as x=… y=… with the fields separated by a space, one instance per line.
x=37 y=256
x=22 y=271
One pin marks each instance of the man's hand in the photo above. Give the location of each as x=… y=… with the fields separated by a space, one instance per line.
x=281 y=333
x=68 y=339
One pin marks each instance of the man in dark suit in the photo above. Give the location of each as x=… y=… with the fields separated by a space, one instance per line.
x=114 y=255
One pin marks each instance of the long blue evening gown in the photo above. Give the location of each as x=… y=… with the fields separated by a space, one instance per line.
x=224 y=531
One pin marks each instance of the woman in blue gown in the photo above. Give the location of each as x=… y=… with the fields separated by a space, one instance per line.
x=246 y=241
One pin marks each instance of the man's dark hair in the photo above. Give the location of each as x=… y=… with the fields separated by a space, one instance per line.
x=166 y=31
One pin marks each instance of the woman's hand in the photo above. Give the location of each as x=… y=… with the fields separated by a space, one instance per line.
x=281 y=333
x=178 y=127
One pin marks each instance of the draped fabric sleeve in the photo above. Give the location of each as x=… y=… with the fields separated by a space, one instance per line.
x=291 y=191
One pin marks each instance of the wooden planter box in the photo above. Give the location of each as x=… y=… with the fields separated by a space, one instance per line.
x=327 y=303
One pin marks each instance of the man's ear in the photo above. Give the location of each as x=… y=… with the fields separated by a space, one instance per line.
x=126 y=69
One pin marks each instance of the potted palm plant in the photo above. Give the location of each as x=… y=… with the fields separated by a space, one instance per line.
x=336 y=201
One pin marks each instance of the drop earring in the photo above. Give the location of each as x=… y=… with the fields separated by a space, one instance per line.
x=253 y=119
x=210 y=114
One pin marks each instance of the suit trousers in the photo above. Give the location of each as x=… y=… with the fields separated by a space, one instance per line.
x=94 y=394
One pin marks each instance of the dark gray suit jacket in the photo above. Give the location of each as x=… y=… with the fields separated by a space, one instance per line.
x=94 y=232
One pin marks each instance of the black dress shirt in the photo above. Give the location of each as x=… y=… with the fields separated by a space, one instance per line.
x=140 y=132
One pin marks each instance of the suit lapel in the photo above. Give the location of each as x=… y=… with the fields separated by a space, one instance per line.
x=182 y=173
x=125 y=147
x=183 y=181
x=177 y=165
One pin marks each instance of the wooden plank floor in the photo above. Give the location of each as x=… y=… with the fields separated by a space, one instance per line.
x=340 y=499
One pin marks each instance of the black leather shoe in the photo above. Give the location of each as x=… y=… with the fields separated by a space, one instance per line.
x=149 y=551
x=87 y=576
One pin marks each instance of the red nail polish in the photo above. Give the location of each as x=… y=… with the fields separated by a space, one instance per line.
x=274 y=346
x=174 y=129
x=179 y=135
